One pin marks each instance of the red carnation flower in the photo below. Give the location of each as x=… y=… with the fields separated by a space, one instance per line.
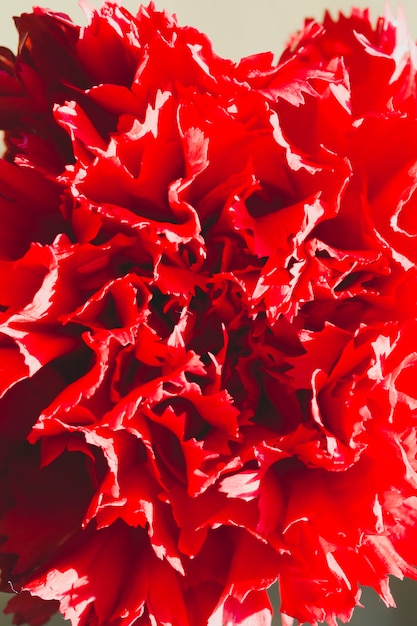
x=208 y=297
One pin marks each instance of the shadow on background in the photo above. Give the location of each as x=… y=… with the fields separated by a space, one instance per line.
x=375 y=613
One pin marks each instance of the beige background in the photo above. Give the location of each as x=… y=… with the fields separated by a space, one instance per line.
x=238 y=28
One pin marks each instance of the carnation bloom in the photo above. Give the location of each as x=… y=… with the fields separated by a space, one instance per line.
x=208 y=296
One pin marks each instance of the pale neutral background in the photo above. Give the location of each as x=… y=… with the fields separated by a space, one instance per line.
x=239 y=28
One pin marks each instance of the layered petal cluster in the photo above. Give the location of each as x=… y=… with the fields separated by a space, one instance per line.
x=208 y=321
